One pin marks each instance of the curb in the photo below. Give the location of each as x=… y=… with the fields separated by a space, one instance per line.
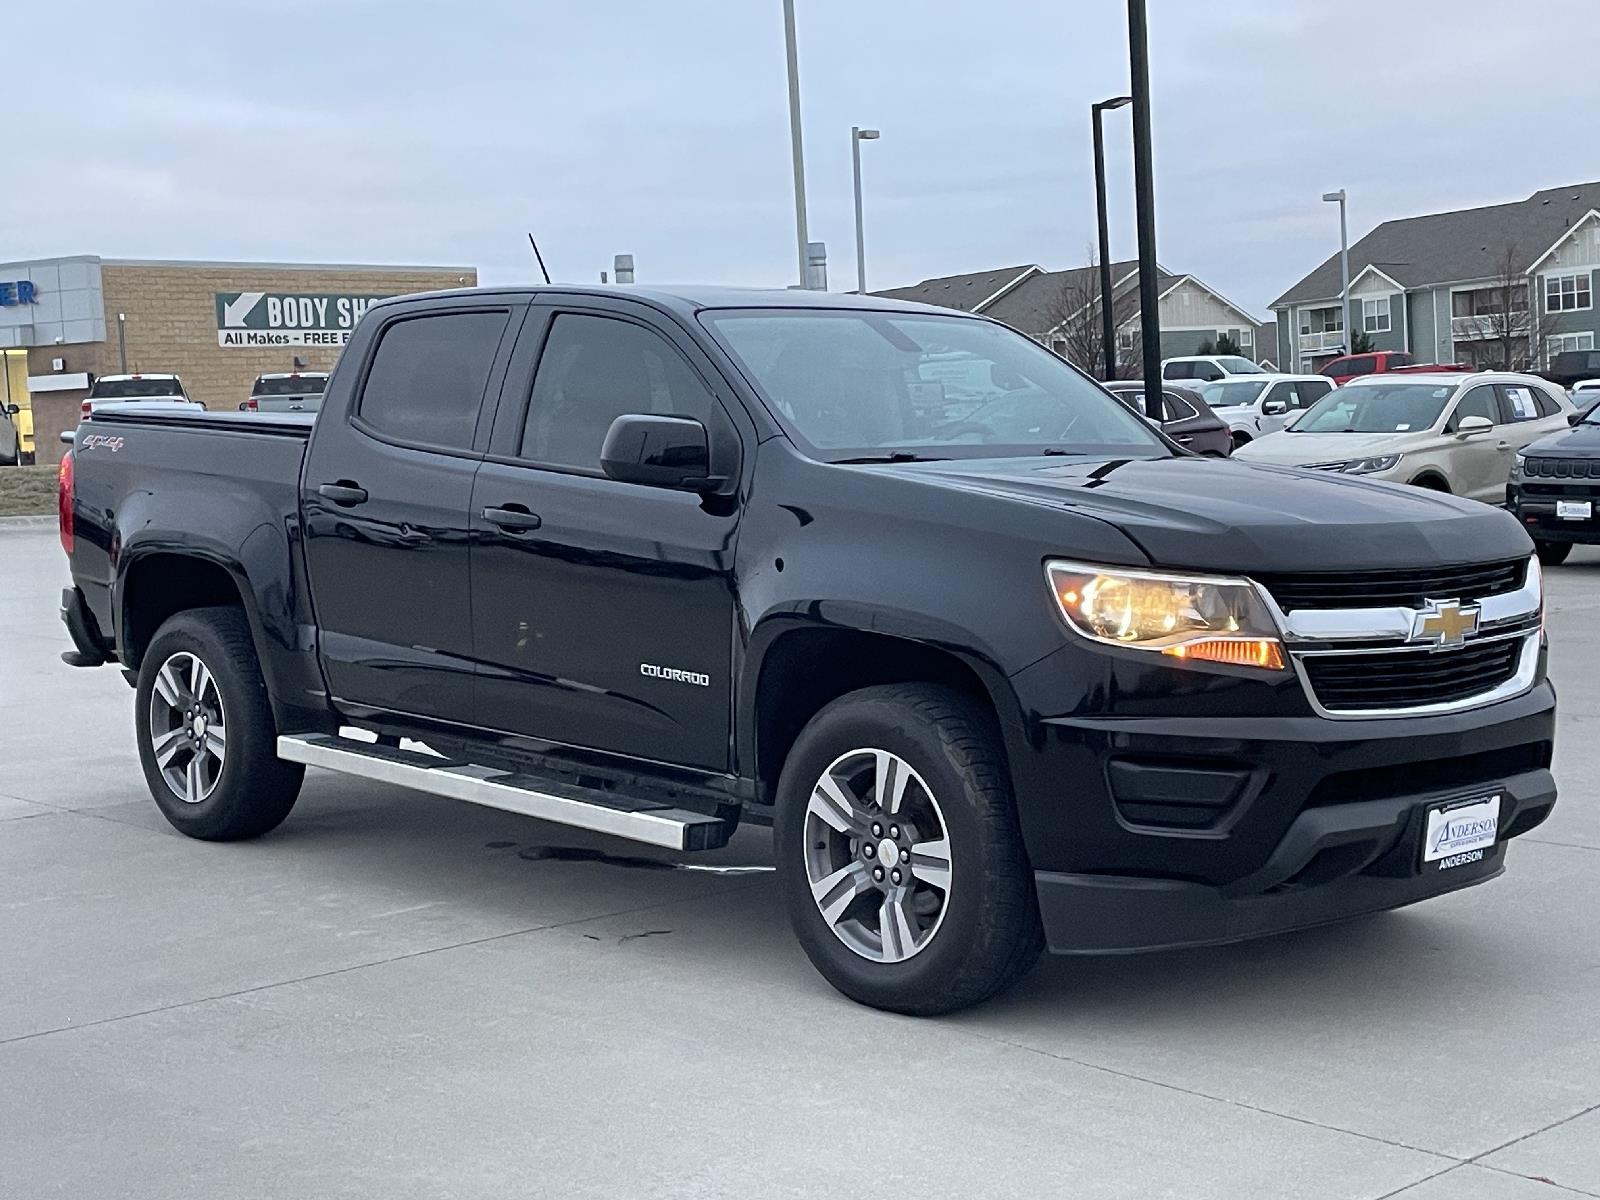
x=39 y=522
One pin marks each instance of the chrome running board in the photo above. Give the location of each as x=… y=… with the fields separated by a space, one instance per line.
x=548 y=800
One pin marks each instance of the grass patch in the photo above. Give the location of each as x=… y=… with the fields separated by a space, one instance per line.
x=27 y=491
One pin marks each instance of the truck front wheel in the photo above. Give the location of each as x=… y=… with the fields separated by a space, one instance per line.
x=207 y=740
x=899 y=853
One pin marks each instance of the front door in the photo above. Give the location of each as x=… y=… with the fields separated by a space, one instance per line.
x=1480 y=464
x=604 y=612
x=386 y=495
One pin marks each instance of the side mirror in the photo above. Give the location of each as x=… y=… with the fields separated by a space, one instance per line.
x=1275 y=408
x=1472 y=426
x=664 y=452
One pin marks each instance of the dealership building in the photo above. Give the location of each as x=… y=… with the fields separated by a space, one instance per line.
x=217 y=325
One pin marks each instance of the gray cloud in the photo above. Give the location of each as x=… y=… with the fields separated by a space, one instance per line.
x=409 y=130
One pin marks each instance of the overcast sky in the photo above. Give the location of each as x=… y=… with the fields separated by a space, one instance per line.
x=441 y=132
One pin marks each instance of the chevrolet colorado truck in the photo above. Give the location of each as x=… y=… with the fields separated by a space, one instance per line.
x=656 y=563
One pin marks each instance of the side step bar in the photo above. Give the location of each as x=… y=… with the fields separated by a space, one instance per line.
x=548 y=800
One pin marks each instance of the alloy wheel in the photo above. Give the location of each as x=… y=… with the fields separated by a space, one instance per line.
x=188 y=730
x=877 y=855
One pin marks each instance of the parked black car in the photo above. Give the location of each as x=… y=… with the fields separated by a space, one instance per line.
x=1555 y=488
x=656 y=563
x=1570 y=366
x=1186 y=418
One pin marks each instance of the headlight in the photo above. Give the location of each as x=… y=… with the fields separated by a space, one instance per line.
x=1182 y=616
x=1369 y=466
x=1518 y=461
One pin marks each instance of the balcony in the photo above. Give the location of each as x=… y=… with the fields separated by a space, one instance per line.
x=1327 y=342
x=1489 y=325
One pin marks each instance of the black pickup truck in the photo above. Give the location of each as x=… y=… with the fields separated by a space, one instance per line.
x=655 y=563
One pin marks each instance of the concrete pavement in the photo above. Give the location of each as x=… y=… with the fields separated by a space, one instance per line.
x=397 y=995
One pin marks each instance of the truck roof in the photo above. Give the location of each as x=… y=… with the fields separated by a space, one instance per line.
x=695 y=297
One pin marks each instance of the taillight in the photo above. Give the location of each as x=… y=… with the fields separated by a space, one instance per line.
x=66 y=494
x=87 y=409
x=252 y=405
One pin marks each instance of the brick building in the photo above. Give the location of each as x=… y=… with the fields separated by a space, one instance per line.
x=216 y=324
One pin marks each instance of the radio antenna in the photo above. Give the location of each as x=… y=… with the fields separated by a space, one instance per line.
x=540 y=257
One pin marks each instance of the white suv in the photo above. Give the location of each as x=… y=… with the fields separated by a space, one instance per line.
x=1256 y=405
x=1203 y=368
x=1451 y=432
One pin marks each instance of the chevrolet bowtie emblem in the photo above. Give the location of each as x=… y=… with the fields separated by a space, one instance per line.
x=1445 y=623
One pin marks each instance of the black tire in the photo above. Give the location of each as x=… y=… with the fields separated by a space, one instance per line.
x=989 y=932
x=1431 y=483
x=1240 y=439
x=1553 y=554
x=252 y=790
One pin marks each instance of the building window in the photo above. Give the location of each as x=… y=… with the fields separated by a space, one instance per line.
x=1059 y=345
x=1567 y=293
x=1125 y=338
x=1568 y=341
x=1375 y=315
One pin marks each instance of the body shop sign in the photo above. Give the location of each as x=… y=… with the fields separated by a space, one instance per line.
x=288 y=318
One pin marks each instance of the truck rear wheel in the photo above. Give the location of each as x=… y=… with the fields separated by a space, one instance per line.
x=899 y=853
x=207 y=740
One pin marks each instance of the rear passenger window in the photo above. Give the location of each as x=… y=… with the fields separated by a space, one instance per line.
x=427 y=379
x=1522 y=403
x=596 y=369
x=1309 y=391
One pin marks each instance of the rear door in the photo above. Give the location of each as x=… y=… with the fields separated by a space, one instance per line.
x=604 y=611
x=385 y=497
x=1532 y=413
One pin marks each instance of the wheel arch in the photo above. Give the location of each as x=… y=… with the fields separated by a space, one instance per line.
x=1432 y=479
x=801 y=668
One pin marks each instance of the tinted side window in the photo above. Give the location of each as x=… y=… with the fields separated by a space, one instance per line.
x=596 y=369
x=1280 y=391
x=1521 y=403
x=1365 y=365
x=1209 y=372
x=1177 y=370
x=1479 y=402
x=1400 y=360
x=1309 y=391
x=427 y=379
x=1176 y=408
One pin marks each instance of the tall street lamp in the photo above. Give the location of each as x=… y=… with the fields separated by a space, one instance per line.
x=1344 y=268
x=857 y=136
x=1144 y=192
x=1108 y=327
x=796 y=145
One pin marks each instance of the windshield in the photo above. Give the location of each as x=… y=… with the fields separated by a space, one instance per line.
x=1223 y=395
x=135 y=389
x=293 y=385
x=880 y=385
x=1592 y=417
x=1234 y=365
x=1376 y=408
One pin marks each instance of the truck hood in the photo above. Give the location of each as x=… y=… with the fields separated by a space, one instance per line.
x=1299 y=449
x=1224 y=515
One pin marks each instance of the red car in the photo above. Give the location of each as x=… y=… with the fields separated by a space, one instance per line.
x=1343 y=370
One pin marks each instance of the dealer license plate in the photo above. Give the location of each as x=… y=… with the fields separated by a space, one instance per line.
x=1575 y=510
x=1458 y=833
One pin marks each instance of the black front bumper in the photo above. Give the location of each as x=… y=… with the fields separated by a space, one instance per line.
x=1153 y=831
x=1334 y=863
x=1536 y=510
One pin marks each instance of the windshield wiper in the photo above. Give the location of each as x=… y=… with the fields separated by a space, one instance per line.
x=895 y=456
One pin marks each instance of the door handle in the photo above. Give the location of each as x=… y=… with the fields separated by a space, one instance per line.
x=512 y=518
x=344 y=493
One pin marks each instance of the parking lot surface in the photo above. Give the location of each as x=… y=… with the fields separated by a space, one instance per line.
x=402 y=996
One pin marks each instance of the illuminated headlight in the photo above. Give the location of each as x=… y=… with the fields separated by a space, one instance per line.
x=1195 y=617
x=1370 y=466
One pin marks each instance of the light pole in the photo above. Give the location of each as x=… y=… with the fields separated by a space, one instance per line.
x=796 y=145
x=1144 y=191
x=1344 y=268
x=1108 y=327
x=857 y=136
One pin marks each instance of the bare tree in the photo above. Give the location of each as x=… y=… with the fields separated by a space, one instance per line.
x=1505 y=322
x=1072 y=319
